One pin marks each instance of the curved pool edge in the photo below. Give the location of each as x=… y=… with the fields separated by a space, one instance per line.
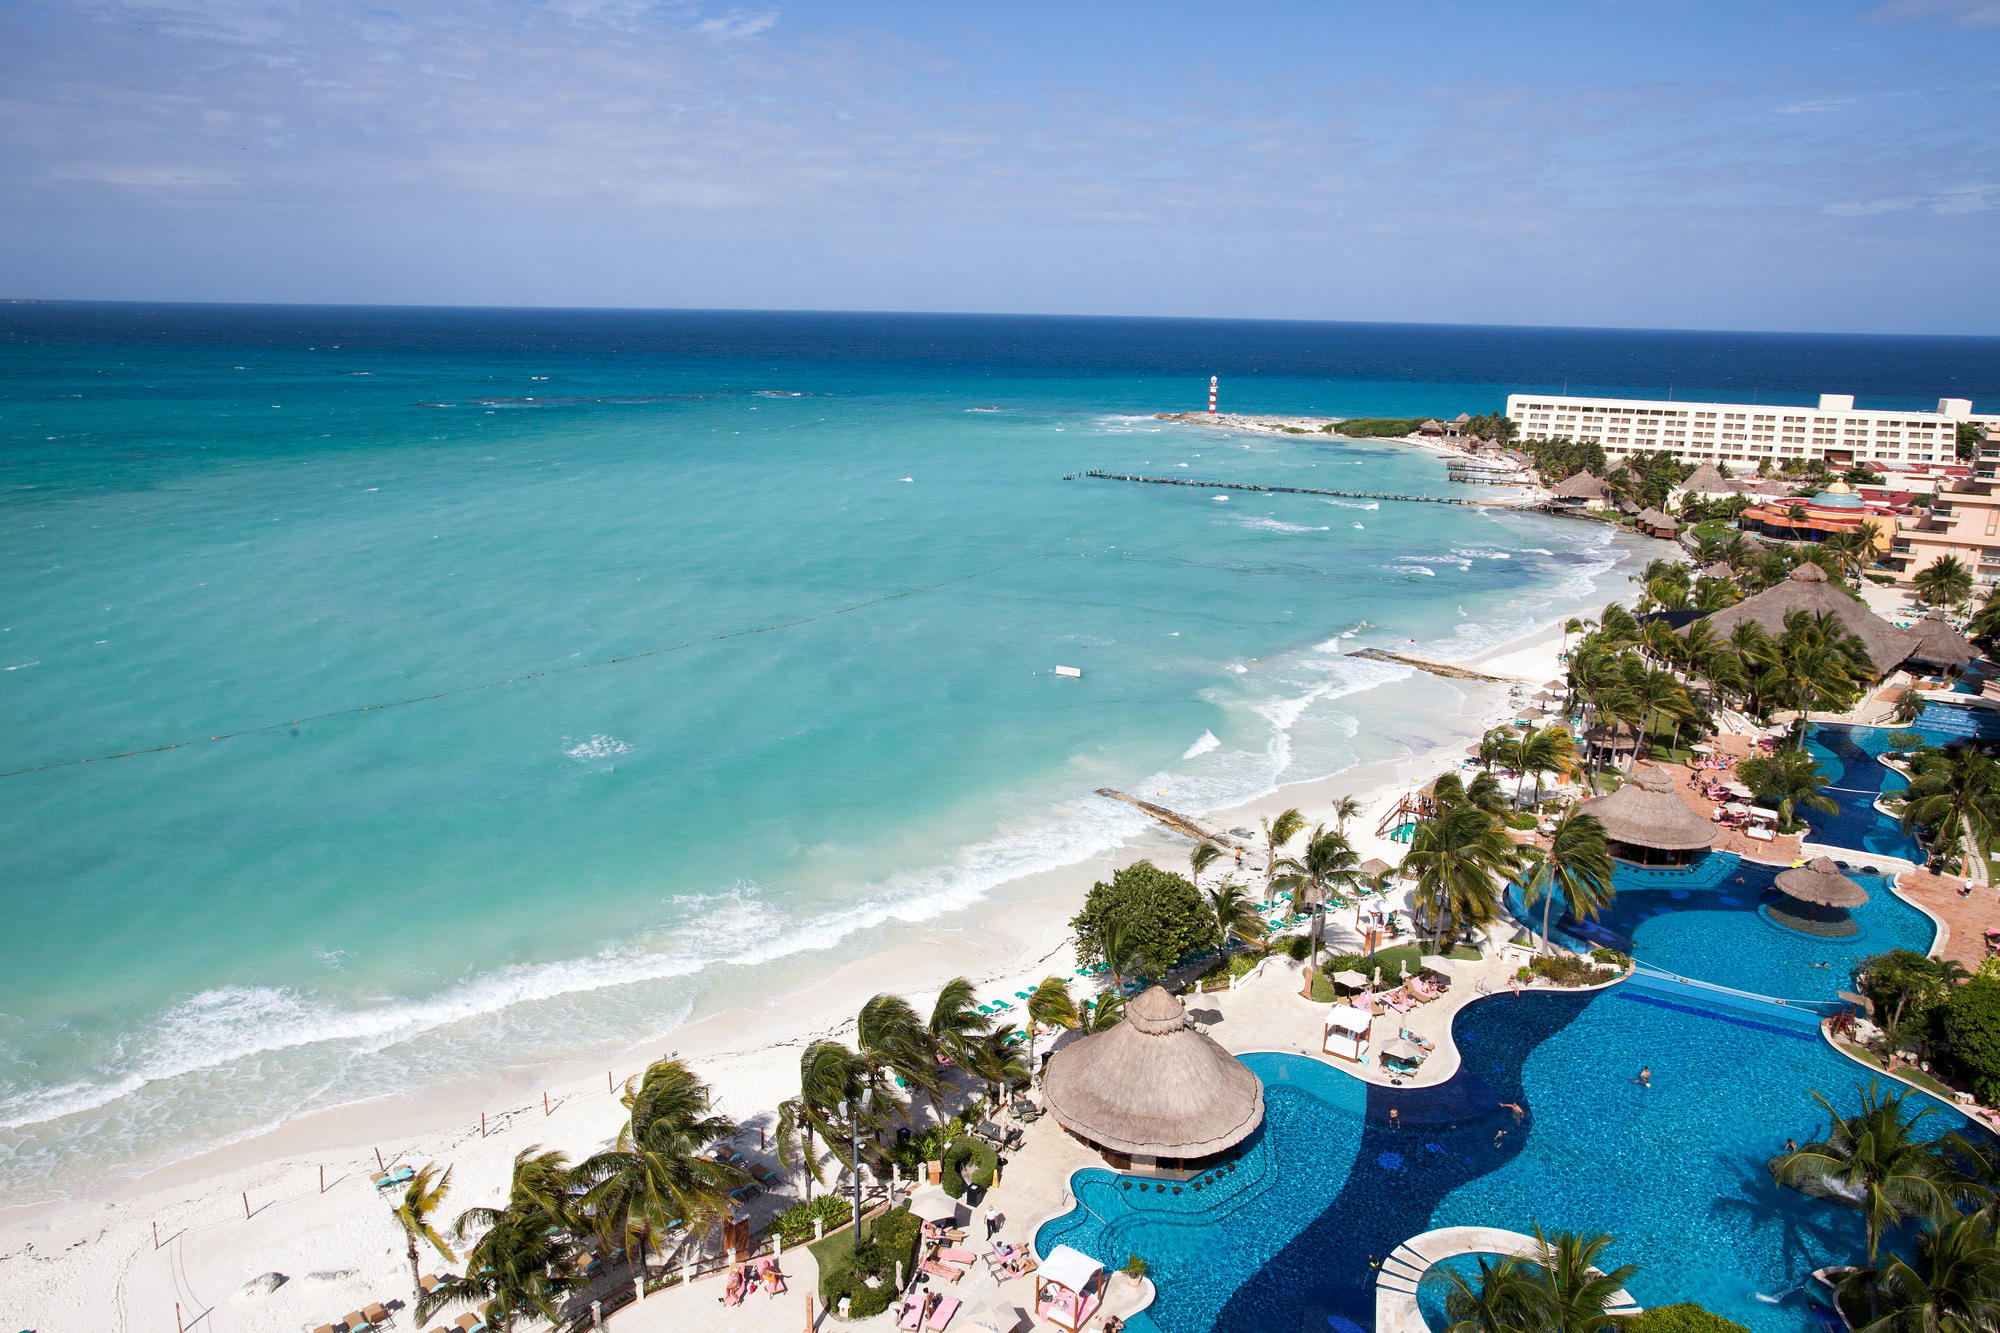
x=1396 y=1307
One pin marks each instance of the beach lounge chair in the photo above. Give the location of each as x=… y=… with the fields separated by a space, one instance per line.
x=944 y=1271
x=471 y=1323
x=428 y=1282
x=358 y=1322
x=951 y=1254
x=745 y=1193
x=946 y=1308
x=395 y=1175
x=324 y=1328
x=769 y=1277
x=375 y=1314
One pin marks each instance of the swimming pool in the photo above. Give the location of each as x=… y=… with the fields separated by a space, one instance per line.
x=1712 y=922
x=1846 y=756
x=1675 y=1172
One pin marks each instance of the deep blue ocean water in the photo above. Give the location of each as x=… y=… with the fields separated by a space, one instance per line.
x=730 y=638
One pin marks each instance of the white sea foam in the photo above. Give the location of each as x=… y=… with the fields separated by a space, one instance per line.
x=1277 y=525
x=1203 y=746
x=1359 y=528
x=1350 y=504
x=1415 y=569
x=597 y=747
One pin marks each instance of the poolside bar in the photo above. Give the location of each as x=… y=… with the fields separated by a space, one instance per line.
x=1648 y=823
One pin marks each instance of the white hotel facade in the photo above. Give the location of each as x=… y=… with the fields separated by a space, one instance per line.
x=1743 y=434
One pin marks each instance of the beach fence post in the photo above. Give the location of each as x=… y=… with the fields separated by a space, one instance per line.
x=638 y=1288
x=597 y=1314
x=380 y=1165
x=177 y=1318
x=607 y=1082
x=482 y=1124
x=246 y=1205
x=687 y=1271
x=322 y=1179
x=156 y=1235
x=545 y=1104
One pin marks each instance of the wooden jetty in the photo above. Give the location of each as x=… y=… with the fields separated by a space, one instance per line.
x=1287 y=490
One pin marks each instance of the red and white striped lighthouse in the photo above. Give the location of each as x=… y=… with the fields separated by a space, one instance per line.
x=1211 y=393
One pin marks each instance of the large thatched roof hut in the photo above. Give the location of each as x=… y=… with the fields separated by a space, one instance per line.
x=1647 y=818
x=1152 y=1090
x=1807 y=590
x=1938 y=644
x=1585 y=487
x=1820 y=883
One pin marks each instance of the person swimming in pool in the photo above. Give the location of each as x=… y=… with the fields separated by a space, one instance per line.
x=1515 y=1107
x=1645 y=1079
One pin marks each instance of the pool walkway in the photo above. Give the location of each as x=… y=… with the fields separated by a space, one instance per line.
x=1397 y=1281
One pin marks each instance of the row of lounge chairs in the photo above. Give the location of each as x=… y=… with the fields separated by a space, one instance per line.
x=365 y=1320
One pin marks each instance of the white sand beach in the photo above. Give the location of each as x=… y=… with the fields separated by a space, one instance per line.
x=93 y=1264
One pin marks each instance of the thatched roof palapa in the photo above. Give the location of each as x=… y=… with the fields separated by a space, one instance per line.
x=1719 y=570
x=1154 y=1087
x=1941 y=645
x=1612 y=735
x=1374 y=866
x=1820 y=882
x=1807 y=590
x=1650 y=517
x=1585 y=485
x=1648 y=812
x=1705 y=480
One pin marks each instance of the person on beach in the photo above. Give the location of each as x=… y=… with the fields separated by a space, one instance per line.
x=993 y=1221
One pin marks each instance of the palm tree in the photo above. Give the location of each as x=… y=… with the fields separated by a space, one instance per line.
x=1344 y=809
x=1051 y=1003
x=1576 y=866
x=892 y=1040
x=956 y=1023
x=1122 y=955
x=829 y=1074
x=1820 y=663
x=1550 y=750
x=1278 y=832
x=1985 y=626
x=1567 y=1289
x=997 y=1061
x=1454 y=859
x=656 y=1177
x=1105 y=1014
x=1329 y=863
x=1235 y=914
x=1878 y=1154
x=1787 y=780
x=423 y=1196
x=519 y=1266
x=1202 y=857
x=1500 y=746
x=1496 y=1303
x=1954 y=795
x=1952 y=1287
x=1944 y=582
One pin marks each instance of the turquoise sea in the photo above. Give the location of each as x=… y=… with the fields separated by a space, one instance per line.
x=722 y=646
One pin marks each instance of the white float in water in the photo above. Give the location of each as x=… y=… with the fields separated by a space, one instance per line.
x=1073 y=673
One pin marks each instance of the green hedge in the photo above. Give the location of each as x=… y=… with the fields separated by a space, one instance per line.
x=1970 y=1025
x=1362 y=428
x=1685 y=1317
x=986 y=1164
x=795 y=1224
x=890 y=1239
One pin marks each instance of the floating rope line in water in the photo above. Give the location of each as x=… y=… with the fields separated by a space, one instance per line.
x=533 y=675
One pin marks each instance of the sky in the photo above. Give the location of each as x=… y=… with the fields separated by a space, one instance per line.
x=1756 y=164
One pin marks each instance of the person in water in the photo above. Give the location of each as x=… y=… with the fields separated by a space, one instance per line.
x=1645 y=1079
x=1515 y=1107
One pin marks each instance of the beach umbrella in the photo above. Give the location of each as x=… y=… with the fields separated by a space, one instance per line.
x=1437 y=963
x=1351 y=979
x=1374 y=866
x=1861 y=1002
x=1402 y=1048
x=1820 y=884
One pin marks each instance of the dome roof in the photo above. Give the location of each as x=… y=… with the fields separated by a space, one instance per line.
x=1839 y=488
x=1837 y=496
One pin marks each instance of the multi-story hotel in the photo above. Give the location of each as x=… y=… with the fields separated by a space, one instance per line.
x=1743 y=434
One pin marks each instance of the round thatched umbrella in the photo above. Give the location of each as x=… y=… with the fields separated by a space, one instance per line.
x=1154 y=1087
x=1374 y=866
x=1820 y=883
x=1648 y=812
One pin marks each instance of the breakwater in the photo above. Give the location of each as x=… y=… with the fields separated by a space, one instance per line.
x=1285 y=490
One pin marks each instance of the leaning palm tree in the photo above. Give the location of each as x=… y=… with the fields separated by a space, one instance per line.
x=1878 y=1155
x=1103 y=1014
x=518 y=1269
x=1788 y=780
x=1329 y=864
x=1278 y=832
x=656 y=1177
x=1952 y=1285
x=1575 y=866
x=1498 y=1301
x=1954 y=796
x=1567 y=1289
x=894 y=1042
x=810 y=1126
x=1344 y=809
x=1455 y=860
x=997 y=1062
x=1123 y=956
x=1203 y=856
x=956 y=1022
x=1550 y=750
x=422 y=1197
x=1235 y=914
x=1049 y=1003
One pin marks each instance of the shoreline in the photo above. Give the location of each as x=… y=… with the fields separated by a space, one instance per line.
x=747 y=1051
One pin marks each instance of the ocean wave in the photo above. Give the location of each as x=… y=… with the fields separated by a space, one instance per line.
x=1350 y=504
x=1277 y=525
x=1425 y=570
x=597 y=747
x=1203 y=746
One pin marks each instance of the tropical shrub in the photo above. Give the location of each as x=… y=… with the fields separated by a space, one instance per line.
x=795 y=1224
x=845 y=1266
x=1297 y=947
x=1970 y=1025
x=1523 y=820
x=1683 y=1317
x=985 y=1163
x=1135 y=1266
x=1365 y=428
x=1566 y=969
x=1610 y=956
x=1159 y=917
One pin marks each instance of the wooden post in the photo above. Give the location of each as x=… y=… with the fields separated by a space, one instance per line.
x=177 y=1318
x=380 y=1165
x=246 y=1205
x=607 y=1082
x=322 y=1180
x=482 y=1124
x=545 y=1104
x=156 y=1235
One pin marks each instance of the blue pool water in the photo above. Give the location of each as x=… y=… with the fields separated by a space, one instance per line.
x=1711 y=922
x=1674 y=1172
x=1948 y=722
x=1847 y=755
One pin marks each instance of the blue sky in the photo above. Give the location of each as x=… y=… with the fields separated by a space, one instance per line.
x=1648 y=163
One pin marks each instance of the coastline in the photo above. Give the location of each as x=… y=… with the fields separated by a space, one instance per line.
x=746 y=1050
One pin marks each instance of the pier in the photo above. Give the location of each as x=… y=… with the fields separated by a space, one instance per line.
x=1435 y=668
x=1291 y=490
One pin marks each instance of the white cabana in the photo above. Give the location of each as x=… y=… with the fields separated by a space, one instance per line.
x=1069 y=1286
x=1347 y=1032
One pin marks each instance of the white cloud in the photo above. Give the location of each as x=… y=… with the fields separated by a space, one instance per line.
x=737 y=24
x=1814 y=106
x=1967 y=199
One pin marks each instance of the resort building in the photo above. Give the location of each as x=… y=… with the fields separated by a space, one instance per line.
x=1646 y=821
x=1744 y=434
x=1151 y=1093
x=1963 y=521
x=1837 y=509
